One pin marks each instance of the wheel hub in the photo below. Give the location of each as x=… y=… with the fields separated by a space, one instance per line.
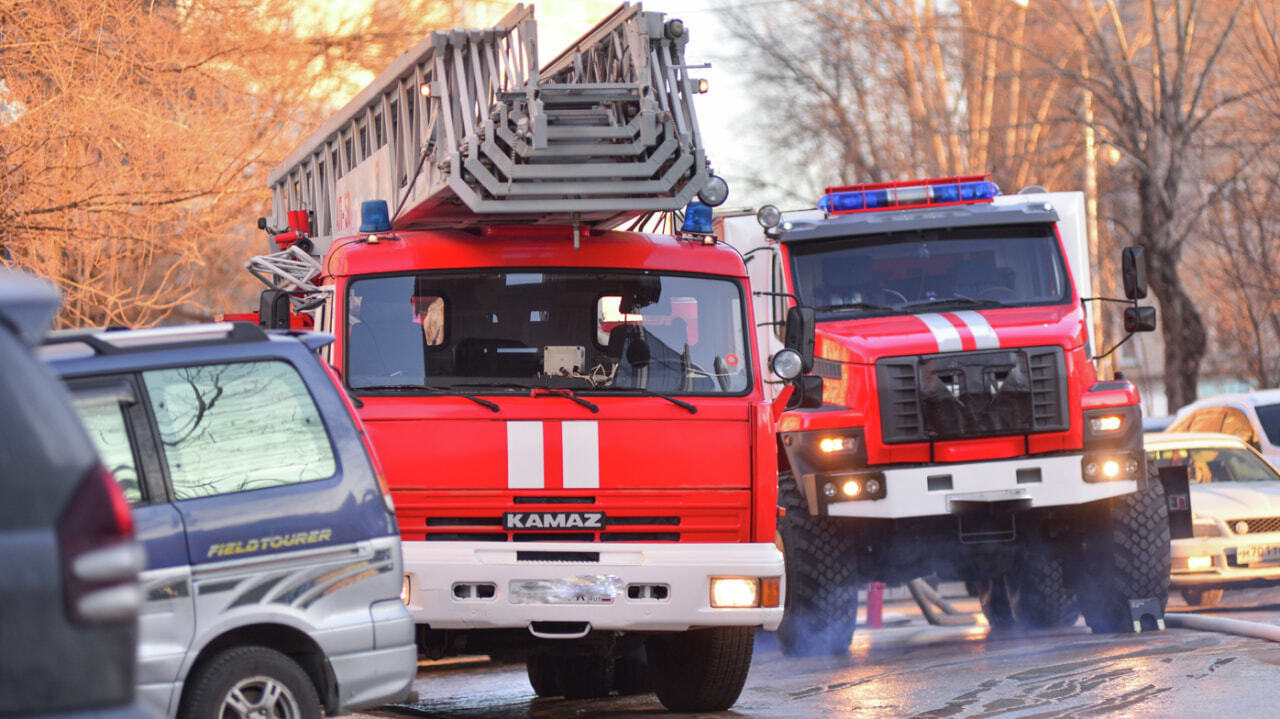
x=260 y=697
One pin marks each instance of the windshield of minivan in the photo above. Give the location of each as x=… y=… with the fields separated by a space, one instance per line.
x=909 y=272
x=588 y=330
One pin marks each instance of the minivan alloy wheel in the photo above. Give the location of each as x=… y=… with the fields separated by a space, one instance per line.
x=260 y=697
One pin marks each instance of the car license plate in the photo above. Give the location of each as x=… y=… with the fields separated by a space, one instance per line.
x=582 y=589
x=1257 y=555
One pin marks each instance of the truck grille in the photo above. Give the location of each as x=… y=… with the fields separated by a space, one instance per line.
x=962 y=395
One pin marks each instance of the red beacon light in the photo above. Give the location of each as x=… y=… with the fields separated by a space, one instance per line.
x=904 y=195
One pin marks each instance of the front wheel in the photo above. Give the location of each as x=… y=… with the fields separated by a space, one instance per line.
x=701 y=670
x=250 y=682
x=821 y=603
x=1126 y=557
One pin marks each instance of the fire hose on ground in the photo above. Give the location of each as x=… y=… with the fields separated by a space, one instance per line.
x=938 y=611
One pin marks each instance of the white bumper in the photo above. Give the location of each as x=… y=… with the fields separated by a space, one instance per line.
x=435 y=568
x=908 y=492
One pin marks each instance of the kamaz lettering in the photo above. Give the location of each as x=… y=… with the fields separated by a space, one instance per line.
x=553 y=520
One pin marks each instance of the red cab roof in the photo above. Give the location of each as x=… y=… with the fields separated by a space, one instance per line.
x=529 y=246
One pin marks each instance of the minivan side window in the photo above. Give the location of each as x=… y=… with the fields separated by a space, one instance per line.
x=237 y=427
x=103 y=417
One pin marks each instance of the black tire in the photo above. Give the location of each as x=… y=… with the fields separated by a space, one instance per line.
x=1039 y=588
x=701 y=670
x=247 y=671
x=1126 y=557
x=631 y=673
x=542 y=675
x=1201 y=597
x=821 y=602
x=587 y=676
x=993 y=595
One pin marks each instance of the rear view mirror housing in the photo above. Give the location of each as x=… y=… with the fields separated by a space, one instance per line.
x=808 y=393
x=800 y=334
x=273 y=310
x=1133 y=270
x=1139 y=319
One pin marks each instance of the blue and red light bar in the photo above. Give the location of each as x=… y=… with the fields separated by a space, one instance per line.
x=905 y=195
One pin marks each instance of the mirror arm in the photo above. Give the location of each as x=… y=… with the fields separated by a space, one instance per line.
x=767 y=293
x=1109 y=299
x=1127 y=337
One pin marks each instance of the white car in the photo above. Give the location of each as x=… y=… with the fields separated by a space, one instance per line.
x=1233 y=540
x=1251 y=416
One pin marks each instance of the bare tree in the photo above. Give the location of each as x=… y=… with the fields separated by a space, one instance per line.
x=891 y=89
x=1168 y=97
x=136 y=137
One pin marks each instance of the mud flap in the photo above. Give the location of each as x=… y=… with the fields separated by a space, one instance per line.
x=1147 y=614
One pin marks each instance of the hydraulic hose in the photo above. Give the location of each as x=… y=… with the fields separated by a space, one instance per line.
x=1258 y=630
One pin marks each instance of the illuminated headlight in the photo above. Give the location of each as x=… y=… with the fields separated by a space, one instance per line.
x=1106 y=423
x=1107 y=467
x=735 y=592
x=406 y=590
x=838 y=444
x=852 y=488
x=1197 y=563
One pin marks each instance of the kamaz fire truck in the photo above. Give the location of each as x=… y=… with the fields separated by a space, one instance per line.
x=963 y=430
x=569 y=416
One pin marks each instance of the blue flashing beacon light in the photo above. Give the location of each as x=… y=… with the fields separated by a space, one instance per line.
x=879 y=196
x=697 y=219
x=375 y=218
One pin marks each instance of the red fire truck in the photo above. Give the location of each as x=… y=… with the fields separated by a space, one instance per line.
x=964 y=430
x=570 y=416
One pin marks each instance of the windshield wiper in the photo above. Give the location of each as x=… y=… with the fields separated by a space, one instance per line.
x=859 y=305
x=956 y=300
x=535 y=389
x=430 y=388
x=650 y=393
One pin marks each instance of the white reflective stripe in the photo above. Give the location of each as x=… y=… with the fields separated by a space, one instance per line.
x=524 y=456
x=944 y=332
x=581 y=457
x=983 y=334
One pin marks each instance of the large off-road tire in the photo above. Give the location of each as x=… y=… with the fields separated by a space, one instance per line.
x=1125 y=557
x=631 y=673
x=246 y=679
x=584 y=677
x=701 y=670
x=993 y=595
x=1202 y=597
x=821 y=603
x=1039 y=588
x=542 y=675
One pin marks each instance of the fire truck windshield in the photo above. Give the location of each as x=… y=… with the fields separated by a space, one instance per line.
x=875 y=275
x=585 y=330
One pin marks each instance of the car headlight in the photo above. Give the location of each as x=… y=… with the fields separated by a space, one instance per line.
x=735 y=592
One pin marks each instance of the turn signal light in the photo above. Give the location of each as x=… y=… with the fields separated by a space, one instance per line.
x=771 y=592
x=1109 y=423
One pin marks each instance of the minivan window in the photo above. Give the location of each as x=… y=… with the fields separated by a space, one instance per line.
x=104 y=420
x=235 y=427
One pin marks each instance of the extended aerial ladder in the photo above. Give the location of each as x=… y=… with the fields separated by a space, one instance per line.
x=465 y=129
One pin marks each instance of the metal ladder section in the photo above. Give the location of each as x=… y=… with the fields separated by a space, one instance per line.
x=464 y=129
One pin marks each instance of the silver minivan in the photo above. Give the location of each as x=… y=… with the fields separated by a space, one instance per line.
x=272 y=581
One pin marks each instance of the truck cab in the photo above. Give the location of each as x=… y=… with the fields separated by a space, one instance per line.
x=964 y=428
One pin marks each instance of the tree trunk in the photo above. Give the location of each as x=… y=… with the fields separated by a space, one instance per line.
x=1181 y=328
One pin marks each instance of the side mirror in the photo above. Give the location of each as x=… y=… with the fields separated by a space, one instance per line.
x=799 y=335
x=1133 y=269
x=1139 y=319
x=273 y=310
x=808 y=393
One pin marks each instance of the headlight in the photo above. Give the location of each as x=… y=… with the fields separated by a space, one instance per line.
x=787 y=364
x=1199 y=563
x=406 y=590
x=1106 y=423
x=735 y=592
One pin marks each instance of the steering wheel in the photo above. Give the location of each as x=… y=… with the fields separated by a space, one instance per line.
x=999 y=294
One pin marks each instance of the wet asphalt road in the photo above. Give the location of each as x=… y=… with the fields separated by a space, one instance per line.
x=912 y=669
